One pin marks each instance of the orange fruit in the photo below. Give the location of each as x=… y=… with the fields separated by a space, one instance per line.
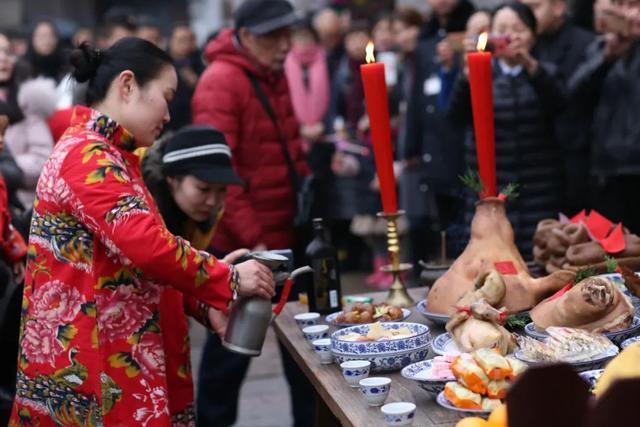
x=472 y=422
x=498 y=417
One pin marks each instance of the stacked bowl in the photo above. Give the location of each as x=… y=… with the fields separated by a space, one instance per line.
x=385 y=354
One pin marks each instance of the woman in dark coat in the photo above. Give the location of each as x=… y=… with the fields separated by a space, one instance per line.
x=45 y=54
x=526 y=95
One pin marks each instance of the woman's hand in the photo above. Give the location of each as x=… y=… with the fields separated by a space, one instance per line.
x=189 y=76
x=616 y=46
x=218 y=321
x=255 y=279
x=345 y=164
x=523 y=57
x=633 y=17
x=232 y=257
x=312 y=132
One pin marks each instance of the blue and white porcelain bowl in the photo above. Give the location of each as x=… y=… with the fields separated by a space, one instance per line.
x=628 y=342
x=386 y=362
x=420 y=372
x=437 y=318
x=355 y=370
x=421 y=338
x=399 y=413
x=375 y=390
x=591 y=377
x=323 y=350
x=307 y=319
x=616 y=337
x=315 y=332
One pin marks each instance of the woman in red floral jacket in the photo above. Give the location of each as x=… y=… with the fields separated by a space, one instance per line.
x=100 y=256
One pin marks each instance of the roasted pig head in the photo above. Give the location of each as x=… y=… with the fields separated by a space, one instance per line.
x=595 y=304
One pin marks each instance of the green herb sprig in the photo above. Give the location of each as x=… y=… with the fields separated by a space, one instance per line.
x=511 y=191
x=516 y=321
x=472 y=180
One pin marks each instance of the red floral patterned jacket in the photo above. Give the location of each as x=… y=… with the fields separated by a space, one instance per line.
x=91 y=350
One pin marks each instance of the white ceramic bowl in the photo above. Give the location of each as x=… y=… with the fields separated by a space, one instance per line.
x=384 y=355
x=375 y=390
x=355 y=370
x=315 y=332
x=323 y=350
x=307 y=319
x=399 y=413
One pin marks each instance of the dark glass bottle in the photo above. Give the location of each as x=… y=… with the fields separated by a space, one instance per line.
x=324 y=290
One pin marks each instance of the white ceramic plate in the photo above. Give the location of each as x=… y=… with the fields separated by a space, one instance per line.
x=616 y=337
x=421 y=372
x=444 y=402
x=443 y=344
x=582 y=365
x=438 y=318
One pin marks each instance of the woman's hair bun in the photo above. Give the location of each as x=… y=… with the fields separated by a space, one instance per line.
x=85 y=60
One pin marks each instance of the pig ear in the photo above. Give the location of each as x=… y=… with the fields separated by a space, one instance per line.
x=480 y=280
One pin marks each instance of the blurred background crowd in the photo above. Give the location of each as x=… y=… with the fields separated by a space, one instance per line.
x=566 y=133
x=564 y=85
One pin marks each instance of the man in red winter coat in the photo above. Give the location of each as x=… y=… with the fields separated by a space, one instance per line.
x=260 y=214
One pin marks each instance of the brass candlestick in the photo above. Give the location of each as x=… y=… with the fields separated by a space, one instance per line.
x=398 y=294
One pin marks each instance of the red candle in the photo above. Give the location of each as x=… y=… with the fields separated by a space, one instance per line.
x=375 y=93
x=481 y=82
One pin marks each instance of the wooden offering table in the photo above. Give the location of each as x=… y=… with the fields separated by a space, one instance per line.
x=342 y=405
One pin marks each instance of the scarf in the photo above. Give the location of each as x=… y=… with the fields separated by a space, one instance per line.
x=51 y=66
x=308 y=78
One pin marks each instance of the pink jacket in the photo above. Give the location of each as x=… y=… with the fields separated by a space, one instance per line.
x=30 y=140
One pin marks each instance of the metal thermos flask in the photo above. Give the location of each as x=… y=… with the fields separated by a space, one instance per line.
x=250 y=317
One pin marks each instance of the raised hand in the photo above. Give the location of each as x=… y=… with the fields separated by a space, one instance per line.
x=255 y=279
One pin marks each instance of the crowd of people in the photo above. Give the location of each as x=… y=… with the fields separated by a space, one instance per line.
x=257 y=131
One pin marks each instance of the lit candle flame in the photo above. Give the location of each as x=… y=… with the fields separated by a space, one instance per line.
x=482 y=41
x=370 y=56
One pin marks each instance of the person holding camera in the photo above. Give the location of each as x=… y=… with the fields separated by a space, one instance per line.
x=607 y=80
x=564 y=44
x=527 y=95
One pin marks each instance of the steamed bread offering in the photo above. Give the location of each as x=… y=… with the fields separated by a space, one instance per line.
x=377 y=332
x=482 y=379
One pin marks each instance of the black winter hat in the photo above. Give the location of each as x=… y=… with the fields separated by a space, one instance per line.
x=263 y=16
x=201 y=151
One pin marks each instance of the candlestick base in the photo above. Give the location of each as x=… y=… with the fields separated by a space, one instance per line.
x=398 y=294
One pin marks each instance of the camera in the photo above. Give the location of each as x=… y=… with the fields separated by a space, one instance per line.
x=609 y=21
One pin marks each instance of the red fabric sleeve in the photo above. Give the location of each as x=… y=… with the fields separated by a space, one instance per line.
x=198 y=310
x=114 y=207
